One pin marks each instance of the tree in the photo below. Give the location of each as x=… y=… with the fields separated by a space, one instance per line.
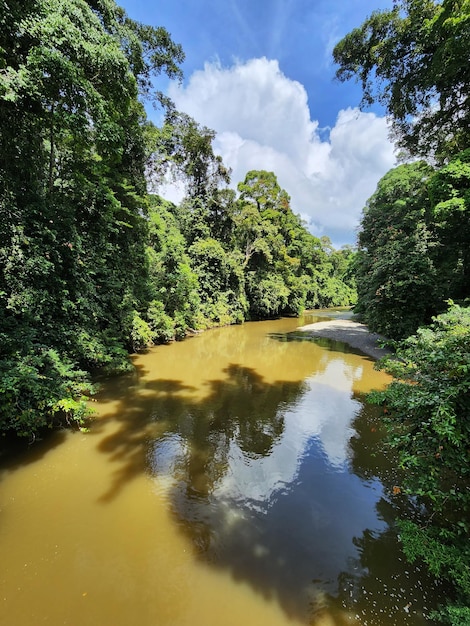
x=286 y=267
x=331 y=277
x=414 y=246
x=261 y=187
x=396 y=276
x=449 y=190
x=263 y=235
x=414 y=59
x=182 y=148
x=175 y=301
x=72 y=194
x=221 y=282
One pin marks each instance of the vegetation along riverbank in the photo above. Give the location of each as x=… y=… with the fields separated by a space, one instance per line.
x=412 y=262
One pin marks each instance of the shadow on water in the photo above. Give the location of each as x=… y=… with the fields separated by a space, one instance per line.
x=380 y=584
x=281 y=507
x=241 y=408
x=307 y=543
x=127 y=446
x=16 y=452
x=379 y=581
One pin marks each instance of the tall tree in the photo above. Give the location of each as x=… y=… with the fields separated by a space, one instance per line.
x=414 y=246
x=415 y=60
x=396 y=276
x=183 y=149
x=449 y=191
x=286 y=267
x=71 y=190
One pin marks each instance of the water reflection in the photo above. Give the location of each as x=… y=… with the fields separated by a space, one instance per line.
x=273 y=467
x=379 y=584
x=261 y=478
x=240 y=469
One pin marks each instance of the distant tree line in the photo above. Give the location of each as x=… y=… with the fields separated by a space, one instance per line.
x=413 y=268
x=92 y=265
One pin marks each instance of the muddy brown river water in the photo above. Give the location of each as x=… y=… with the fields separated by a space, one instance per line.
x=236 y=478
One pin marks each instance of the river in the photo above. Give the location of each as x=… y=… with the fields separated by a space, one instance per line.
x=236 y=478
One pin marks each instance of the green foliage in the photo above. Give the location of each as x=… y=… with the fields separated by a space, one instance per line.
x=268 y=294
x=183 y=149
x=446 y=557
x=455 y=615
x=221 y=282
x=334 y=279
x=163 y=327
x=262 y=189
x=40 y=387
x=413 y=59
x=396 y=277
x=429 y=404
x=286 y=267
x=99 y=350
x=414 y=246
x=73 y=280
x=172 y=281
x=233 y=259
x=215 y=260
x=141 y=335
x=449 y=190
x=430 y=397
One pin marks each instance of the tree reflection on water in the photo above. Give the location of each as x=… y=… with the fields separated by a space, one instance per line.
x=265 y=487
x=284 y=484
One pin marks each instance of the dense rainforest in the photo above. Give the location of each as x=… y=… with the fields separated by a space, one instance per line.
x=94 y=263
x=412 y=269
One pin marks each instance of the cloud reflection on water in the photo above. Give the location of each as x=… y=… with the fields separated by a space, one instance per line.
x=287 y=515
x=322 y=414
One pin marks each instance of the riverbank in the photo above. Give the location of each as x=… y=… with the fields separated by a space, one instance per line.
x=355 y=334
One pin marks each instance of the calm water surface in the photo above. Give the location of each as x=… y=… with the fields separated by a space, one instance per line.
x=236 y=478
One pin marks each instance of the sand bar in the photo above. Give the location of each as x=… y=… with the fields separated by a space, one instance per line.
x=348 y=331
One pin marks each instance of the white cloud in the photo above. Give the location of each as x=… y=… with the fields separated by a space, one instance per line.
x=263 y=121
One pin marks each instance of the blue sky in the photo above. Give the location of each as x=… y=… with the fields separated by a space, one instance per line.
x=261 y=74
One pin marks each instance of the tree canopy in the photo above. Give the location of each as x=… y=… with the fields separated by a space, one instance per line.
x=396 y=275
x=72 y=197
x=413 y=241
x=415 y=60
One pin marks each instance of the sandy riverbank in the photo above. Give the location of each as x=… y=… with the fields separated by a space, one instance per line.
x=355 y=334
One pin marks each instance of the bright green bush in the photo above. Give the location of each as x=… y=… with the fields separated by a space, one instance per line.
x=41 y=388
x=141 y=333
x=162 y=326
x=267 y=293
